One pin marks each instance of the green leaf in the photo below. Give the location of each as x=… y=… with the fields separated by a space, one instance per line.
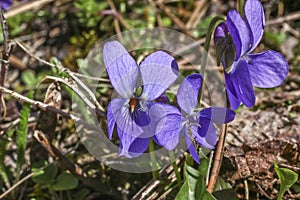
x=65 y=181
x=194 y=187
x=22 y=134
x=193 y=178
x=203 y=166
x=183 y=192
x=287 y=178
x=45 y=176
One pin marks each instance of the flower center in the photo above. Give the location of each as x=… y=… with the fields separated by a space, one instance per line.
x=132 y=104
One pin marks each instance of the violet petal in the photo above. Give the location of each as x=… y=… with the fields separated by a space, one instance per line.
x=267 y=69
x=240 y=77
x=167 y=125
x=254 y=13
x=159 y=70
x=121 y=68
x=218 y=115
x=239 y=32
x=187 y=95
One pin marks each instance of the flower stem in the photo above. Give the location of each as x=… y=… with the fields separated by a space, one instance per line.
x=210 y=30
x=153 y=160
x=175 y=166
x=217 y=160
x=240 y=6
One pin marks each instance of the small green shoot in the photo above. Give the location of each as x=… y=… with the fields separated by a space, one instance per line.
x=22 y=134
x=287 y=179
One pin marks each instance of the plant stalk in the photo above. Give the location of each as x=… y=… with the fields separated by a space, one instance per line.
x=175 y=166
x=155 y=174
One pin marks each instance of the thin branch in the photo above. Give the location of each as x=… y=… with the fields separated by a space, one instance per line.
x=5 y=58
x=286 y=18
x=199 y=11
x=66 y=164
x=20 y=182
x=174 y=18
x=38 y=104
x=67 y=71
x=114 y=12
x=157 y=13
x=154 y=187
x=217 y=159
x=104 y=80
x=74 y=88
x=116 y=20
x=44 y=106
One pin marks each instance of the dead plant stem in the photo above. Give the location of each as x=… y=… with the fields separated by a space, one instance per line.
x=218 y=159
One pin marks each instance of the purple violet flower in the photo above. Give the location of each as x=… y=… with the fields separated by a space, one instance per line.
x=234 y=41
x=198 y=124
x=6 y=4
x=136 y=116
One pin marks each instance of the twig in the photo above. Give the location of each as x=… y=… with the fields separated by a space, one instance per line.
x=20 y=182
x=154 y=187
x=190 y=46
x=116 y=20
x=116 y=14
x=246 y=189
x=5 y=58
x=5 y=52
x=199 y=11
x=38 y=104
x=66 y=164
x=211 y=156
x=218 y=159
x=293 y=168
x=74 y=88
x=44 y=106
x=67 y=71
x=262 y=191
x=174 y=18
x=171 y=15
x=157 y=13
x=11 y=124
x=104 y=80
x=289 y=17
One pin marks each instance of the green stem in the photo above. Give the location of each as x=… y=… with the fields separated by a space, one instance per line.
x=241 y=7
x=210 y=30
x=153 y=160
x=175 y=166
x=220 y=147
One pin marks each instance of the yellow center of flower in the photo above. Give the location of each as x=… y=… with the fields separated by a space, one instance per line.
x=132 y=104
